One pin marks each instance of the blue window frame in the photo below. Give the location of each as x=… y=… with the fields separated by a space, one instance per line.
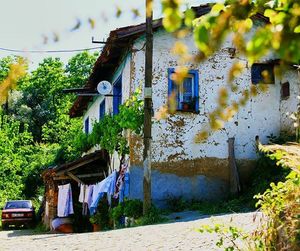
x=187 y=93
x=257 y=74
x=86 y=125
x=102 y=110
x=117 y=95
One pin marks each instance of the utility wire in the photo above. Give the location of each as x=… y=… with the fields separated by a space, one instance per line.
x=50 y=51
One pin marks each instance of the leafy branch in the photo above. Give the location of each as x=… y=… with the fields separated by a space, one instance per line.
x=109 y=132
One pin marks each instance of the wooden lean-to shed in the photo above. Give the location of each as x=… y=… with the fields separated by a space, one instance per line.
x=88 y=169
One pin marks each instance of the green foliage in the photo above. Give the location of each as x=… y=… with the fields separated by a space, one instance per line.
x=108 y=133
x=152 y=217
x=116 y=213
x=281 y=204
x=252 y=35
x=101 y=217
x=213 y=207
x=40 y=229
x=5 y=65
x=79 y=69
x=133 y=208
x=13 y=150
x=280 y=35
x=282 y=138
x=172 y=15
x=229 y=237
x=40 y=158
x=268 y=172
x=35 y=129
x=176 y=204
x=131 y=113
x=40 y=102
x=21 y=161
x=40 y=97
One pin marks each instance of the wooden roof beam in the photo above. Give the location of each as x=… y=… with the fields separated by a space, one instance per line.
x=81 y=176
x=79 y=164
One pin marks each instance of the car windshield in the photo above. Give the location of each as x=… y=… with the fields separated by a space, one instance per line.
x=18 y=204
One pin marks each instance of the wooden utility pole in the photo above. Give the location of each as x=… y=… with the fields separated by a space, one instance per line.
x=148 y=108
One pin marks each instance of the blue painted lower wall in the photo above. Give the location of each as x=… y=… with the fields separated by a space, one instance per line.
x=166 y=186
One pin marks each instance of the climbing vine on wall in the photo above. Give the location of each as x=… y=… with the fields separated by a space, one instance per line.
x=109 y=132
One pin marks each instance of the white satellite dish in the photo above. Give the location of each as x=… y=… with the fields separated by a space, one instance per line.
x=104 y=87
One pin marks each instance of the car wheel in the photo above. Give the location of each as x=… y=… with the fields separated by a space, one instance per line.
x=4 y=227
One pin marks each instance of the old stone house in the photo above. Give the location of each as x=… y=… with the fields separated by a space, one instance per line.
x=181 y=167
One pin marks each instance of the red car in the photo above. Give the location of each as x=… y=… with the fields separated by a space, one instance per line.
x=18 y=213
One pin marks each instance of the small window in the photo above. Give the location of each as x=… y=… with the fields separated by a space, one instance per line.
x=102 y=110
x=187 y=93
x=86 y=125
x=117 y=95
x=285 y=90
x=262 y=74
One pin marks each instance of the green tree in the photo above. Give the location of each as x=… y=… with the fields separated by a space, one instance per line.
x=79 y=68
x=40 y=102
x=35 y=128
x=5 y=66
x=40 y=96
x=21 y=160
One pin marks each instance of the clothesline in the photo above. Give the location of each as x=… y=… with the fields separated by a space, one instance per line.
x=116 y=186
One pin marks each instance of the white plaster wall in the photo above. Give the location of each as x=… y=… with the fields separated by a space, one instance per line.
x=261 y=116
x=126 y=79
x=290 y=104
x=94 y=107
x=93 y=112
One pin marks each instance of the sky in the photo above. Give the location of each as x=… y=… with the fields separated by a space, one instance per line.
x=33 y=24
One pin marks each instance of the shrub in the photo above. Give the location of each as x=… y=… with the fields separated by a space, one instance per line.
x=116 y=213
x=176 y=204
x=152 y=217
x=133 y=208
x=102 y=215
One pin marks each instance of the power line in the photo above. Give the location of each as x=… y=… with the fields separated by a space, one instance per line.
x=50 y=51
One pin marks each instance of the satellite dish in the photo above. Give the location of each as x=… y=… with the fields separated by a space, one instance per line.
x=104 y=87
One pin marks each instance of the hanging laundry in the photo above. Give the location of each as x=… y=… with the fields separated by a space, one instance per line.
x=84 y=193
x=90 y=195
x=65 y=201
x=126 y=184
x=81 y=194
x=124 y=191
x=85 y=197
x=120 y=182
x=105 y=186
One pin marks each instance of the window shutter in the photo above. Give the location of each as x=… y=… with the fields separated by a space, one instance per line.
x=86 y=125
x=117 y=98
x=102 y=110
x=196 y=90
